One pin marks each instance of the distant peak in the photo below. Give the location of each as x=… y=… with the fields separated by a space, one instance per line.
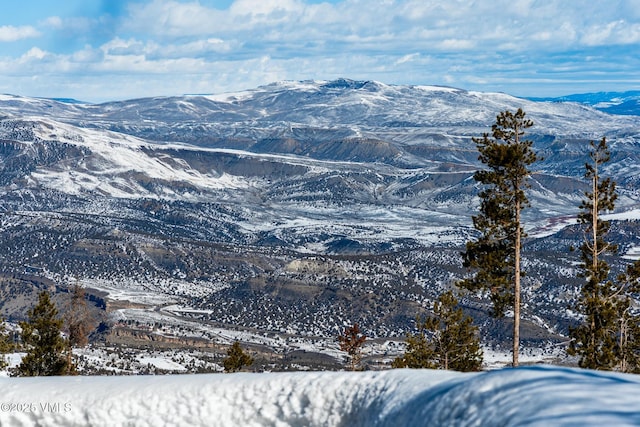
x=343 y=83
x=340 y=83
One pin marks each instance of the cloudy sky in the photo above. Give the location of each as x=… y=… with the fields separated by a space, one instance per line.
x=98 y=50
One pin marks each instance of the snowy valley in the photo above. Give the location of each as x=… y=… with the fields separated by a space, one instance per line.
x=280 y=215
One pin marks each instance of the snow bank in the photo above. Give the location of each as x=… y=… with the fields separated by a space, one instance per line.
x=535 y=396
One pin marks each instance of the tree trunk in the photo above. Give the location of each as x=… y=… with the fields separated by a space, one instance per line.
x=69 y=360
x=594 y=253
x=516 y=290
x=623 y=343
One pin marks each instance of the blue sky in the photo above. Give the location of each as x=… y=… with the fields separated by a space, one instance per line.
x=99 y=50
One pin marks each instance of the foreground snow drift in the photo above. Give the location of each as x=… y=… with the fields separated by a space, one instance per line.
x=531 y=395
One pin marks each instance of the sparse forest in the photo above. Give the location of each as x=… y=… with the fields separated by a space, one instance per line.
x=609 y=335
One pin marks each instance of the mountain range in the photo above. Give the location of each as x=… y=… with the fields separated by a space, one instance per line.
x=293 y=208
x=626 y=103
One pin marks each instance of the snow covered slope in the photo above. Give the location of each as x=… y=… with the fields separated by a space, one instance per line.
x=292 y=208
x=534 y=396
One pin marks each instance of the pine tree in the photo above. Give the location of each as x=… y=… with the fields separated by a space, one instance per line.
x=419 y=353
x=455 y=338
x=5 y=344
x=44 y=343
x=453 y=343
x=601 y=302
x=628 y=345
x=236 y=358
x=495 y=255
x=629 y=335
x=351 y=341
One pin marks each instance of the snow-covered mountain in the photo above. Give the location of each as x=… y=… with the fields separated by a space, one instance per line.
x=625 y=103
x=296 y=207
x=339 y=142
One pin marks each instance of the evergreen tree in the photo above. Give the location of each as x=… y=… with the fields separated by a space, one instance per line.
x=495 y=255
x=453 y=342
x=236 y=358
x=609 y=336
x=601 y=301
x=456 y=342
x=629 y=335
x=419 y=353
x=44 y=343
x=351 y=341
x=6 y=345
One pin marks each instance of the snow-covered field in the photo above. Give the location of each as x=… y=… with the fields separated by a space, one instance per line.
x=533 y=396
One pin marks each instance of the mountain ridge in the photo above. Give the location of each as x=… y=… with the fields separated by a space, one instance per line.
x=619 y=103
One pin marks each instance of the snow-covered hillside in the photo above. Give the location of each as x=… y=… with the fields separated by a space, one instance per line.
x=282 y=214
x=533 y=396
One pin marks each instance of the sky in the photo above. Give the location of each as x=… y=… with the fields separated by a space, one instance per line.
x=102 y=50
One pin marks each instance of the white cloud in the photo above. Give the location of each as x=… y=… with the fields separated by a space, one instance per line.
x=9 y=33
x=196 y=49
x=70 y=26
x=35 y=53
x=188 y=46
x=54 y=22
x=457 y=44
x=153 y=51
x=290 y=26
x=87 y=55
x=264 y=9
x=618 y=32
x=120 y=47
x=407 y=58
x=168 y=18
